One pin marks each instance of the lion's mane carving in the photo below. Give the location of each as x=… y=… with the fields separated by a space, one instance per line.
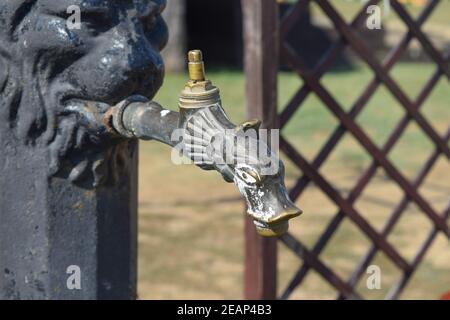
x=55 y=82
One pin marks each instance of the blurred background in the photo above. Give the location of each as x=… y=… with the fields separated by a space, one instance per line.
x=191 y=224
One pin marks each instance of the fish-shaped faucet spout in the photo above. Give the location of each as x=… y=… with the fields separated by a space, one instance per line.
x=202 y=132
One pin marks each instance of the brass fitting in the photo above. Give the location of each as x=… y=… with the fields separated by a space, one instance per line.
x=196 y=66
x=198 y=92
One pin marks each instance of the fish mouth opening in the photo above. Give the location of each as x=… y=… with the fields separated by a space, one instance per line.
x=274 y=230
x=277 y=225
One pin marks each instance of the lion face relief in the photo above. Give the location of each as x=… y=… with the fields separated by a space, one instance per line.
x=50 y=74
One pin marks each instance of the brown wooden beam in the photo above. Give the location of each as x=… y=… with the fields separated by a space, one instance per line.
x=261 y=43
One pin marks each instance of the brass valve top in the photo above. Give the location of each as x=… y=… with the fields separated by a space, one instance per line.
x=196 y=66
x=198 y=92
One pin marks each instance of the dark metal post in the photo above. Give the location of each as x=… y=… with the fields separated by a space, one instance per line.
x=261 y=66
x=68 y=187
x=49 y=225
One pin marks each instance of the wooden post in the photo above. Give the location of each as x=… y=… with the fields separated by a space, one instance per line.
x=261 y=45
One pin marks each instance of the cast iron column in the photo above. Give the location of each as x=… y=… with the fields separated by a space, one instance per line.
x=68 y=186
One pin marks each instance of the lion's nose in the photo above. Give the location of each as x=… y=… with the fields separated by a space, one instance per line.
x=277 y=224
